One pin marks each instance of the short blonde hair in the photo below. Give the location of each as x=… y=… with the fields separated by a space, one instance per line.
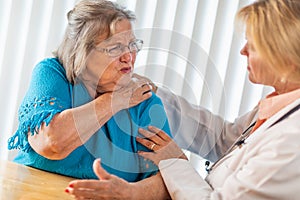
x=274 y=26
x=86 y=22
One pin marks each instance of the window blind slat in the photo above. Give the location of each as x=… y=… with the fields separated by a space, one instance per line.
x=180 y=45
x=5 y=10
x=13 y=57
x=198 y=52
x=160 y=39
x=57 y=21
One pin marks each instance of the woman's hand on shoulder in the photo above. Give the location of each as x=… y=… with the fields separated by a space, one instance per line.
x=147 y=80
x=134 y=93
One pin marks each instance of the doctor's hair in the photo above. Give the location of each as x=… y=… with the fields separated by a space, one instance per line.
x=274 y=26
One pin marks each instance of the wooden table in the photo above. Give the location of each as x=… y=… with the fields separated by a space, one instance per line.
x=26 y=183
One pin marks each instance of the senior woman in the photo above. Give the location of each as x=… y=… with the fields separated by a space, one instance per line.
x=84 y=104
x=259 y=154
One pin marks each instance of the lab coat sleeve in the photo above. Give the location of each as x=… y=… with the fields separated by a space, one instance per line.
x=259 y=170
x=182 y=181
x=198 y=130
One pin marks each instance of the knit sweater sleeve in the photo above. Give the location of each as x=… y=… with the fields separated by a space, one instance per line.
x=47 y=95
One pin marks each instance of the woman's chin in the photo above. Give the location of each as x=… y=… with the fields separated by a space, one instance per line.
x=124 y=81
x=120 y=86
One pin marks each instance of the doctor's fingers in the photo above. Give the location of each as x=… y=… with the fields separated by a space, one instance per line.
x=152 y=136
x=160 y=133
x=147 y=143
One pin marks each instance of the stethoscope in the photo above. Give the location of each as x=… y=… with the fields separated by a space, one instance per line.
x=238 y=143
x=245 y=134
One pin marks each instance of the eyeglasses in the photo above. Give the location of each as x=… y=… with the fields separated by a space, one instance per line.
x=118 y=49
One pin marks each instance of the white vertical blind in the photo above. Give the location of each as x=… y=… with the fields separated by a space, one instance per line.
x=11 y=66
x=218 y=55
x=191 y=47
x=30 y=31
x=180 y=43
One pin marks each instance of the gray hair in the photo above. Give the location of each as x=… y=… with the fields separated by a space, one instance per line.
x=86 y=22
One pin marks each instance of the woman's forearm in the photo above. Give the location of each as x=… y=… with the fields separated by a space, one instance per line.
x=71 y=128
x=152 y=188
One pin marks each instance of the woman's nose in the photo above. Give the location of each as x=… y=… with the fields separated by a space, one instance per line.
x=244 y=50
x=126 y=57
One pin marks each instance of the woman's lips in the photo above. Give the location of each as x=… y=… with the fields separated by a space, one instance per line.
x=126 y=70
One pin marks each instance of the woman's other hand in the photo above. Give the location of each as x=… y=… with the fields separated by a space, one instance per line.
x=134 y=93
x=161 y=144
x=143 y=78
x=112 y=187
x=107 y=187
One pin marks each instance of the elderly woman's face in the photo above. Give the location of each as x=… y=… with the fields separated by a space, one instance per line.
x=259 y=71
x=109 y=72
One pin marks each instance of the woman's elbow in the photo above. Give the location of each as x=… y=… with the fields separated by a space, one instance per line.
x=47 y=147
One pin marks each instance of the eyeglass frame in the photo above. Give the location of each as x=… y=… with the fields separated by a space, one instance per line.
x=122 y=48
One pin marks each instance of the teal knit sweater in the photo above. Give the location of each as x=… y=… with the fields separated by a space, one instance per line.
x=50 y=93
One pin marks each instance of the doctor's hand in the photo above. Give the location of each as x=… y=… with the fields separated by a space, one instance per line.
x=162 y=146
x=107 y=187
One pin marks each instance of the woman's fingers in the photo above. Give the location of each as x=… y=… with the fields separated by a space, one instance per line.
x=147 y=80
x=137 y=92
x=131 y=95
x=143 y=91
x=99 y=171
x=91 y=184
x=83 y=193
x=109 y=187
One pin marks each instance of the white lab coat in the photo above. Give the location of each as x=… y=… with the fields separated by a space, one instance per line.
x=267 y=166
